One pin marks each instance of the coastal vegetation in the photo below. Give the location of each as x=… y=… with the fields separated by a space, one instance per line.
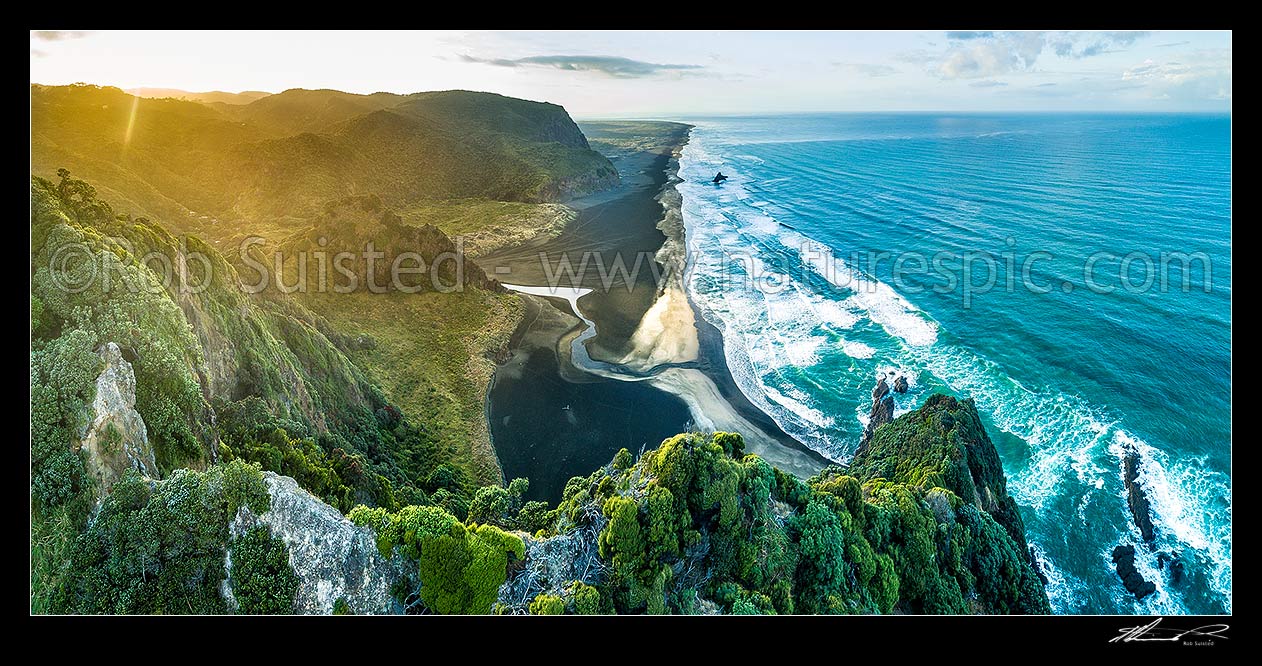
x=697 y=525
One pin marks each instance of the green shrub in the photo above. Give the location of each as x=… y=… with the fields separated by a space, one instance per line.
x=623 y=460
x=584 y=599
x=460 y=568
x=160 y=548
x=547 y=604
x=263 y=582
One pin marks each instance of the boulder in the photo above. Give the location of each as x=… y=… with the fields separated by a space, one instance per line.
x=1176 y=567
x=900 y=384
x=1038 y=566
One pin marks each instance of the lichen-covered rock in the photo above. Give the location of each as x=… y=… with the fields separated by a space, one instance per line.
x=332 y=557
x=116 y=440
x=939 y=503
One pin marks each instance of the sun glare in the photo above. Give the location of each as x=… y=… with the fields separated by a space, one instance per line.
x=131 y=121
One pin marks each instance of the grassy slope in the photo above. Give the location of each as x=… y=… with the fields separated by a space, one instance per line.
x=487 y=226
x=632 y=136
x=432 y=358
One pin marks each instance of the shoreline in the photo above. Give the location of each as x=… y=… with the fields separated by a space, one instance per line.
x=713 y=396
x=640 y=337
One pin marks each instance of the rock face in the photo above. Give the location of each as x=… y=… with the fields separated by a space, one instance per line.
x=1136 y=498
x=116 y=439
x=333 y=558
x=882 y=411
x=572 y=187
x=1124 y=558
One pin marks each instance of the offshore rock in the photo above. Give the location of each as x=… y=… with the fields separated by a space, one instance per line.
x=116 y=440
x=333 y=558
x=1136 y=498
x=1132 y=580
x=1176 y=567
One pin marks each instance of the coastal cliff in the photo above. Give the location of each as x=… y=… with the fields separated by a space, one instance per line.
x=332 y=558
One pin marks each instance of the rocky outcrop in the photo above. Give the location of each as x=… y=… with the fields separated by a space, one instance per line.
x=1136 y=498
x=550 y=565
x=882 y=411
x=332 y=557
x=1132 y=580
x=1172 y=561
x=900 y=384
x=1038 y=566
x=941 y=444
x=115 y=440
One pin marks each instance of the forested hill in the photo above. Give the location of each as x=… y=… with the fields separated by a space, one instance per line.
x=215 y=168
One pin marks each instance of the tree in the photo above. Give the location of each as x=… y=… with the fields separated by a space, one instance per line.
x=822 y=565
x=491 y=505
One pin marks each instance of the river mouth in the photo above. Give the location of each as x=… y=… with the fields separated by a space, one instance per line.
x=550 y=423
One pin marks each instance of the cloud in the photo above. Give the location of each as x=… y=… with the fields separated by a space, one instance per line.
x=982 y=60
x=1204 y=74
x=866 y=69
x=1045 y=85
x=987 y=83
x=985 y=54
x=36 y=53
x=1166 y=46
x=59 y=35
x=1087 y=44
x=615 y=66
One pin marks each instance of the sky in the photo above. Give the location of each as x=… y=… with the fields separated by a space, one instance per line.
x=676 y=73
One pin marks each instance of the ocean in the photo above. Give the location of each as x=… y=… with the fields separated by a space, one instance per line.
x=1071 y=273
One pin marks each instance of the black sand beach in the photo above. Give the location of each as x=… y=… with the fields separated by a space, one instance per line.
x=550 y=421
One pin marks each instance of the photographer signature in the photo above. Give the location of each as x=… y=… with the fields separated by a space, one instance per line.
x=1154 y=633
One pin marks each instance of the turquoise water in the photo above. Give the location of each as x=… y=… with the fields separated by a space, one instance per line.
x=1065 y=378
